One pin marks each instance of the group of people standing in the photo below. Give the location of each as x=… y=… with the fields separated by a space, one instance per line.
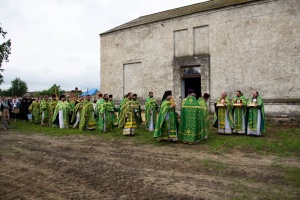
x=162 y=119
x=239 y=115
x=9 y=108
x=194 y=119
x=81 y=112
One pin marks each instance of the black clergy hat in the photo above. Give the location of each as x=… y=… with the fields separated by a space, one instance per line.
x=166 y=94
x=206 y=96
x=62 y=96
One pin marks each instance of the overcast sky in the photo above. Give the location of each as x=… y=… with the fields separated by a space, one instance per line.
x=57 y=41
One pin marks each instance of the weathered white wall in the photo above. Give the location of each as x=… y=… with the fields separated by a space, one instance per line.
x=133 y=77
x=201 y=40
x=251 y=47
x=260 y=47
x=180 y=43
x=138 y=45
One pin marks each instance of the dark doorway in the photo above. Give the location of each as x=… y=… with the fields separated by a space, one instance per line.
x=192 y=83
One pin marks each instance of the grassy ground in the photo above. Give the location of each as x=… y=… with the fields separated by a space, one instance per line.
x=277 y=140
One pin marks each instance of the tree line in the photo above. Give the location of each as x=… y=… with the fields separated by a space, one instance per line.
x=19 y=88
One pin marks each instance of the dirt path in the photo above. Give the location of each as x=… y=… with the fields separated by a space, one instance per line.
x=87 y=167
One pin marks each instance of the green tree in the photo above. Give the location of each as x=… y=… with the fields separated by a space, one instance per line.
x=5 y=50
x=45 y=92
x=18 y=87
x=55 y=89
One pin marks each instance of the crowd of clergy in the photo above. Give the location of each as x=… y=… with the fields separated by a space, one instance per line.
x=235 y=116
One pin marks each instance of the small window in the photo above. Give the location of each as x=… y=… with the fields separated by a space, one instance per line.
x=191 y=71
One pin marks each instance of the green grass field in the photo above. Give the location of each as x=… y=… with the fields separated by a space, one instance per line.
x=277 y=140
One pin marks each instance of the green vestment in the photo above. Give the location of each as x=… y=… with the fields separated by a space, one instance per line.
x=45 y=111
x=35 y=110
x=137 y=112
x=113 y=114
x=239 y=114
x=205 y=115
x=167 y=124
x=105 y=120
x=223 y=119
x=151 y=113
x=87 y=120
x=127 y=118
x=123 y=100
x=72 y=104
x=52 y=106
x=146 y=107
x=61 y=114
x=191 y=121
x=77 y=113
x=98 y=103
x=256 y=117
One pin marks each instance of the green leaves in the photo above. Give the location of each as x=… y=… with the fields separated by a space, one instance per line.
x=5 y=51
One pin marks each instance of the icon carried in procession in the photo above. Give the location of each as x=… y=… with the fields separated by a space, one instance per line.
x=253 y=103
x=172 y=102
x=222 y=104
x=238 y=103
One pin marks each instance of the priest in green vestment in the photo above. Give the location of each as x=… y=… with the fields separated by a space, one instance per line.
x=127 y=119
x=77 y=112
x=52 y=106
x=166 y=127
x=34 y=108
x=151 y=112
x=239 y=103
x=121 y=104
x=150 y=96
x=223 y=119
x=191 y=120
x=62 y=113
x=137 y=110
x=256 y=115
x=87 y=120
x=105 y=120
x=205 y=113
x=99 y=101
x=73 y=102
x=45 y=110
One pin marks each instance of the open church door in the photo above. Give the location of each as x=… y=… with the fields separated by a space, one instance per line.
x=191 y=79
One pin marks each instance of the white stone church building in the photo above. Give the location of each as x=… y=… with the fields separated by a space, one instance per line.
x=211 y=46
